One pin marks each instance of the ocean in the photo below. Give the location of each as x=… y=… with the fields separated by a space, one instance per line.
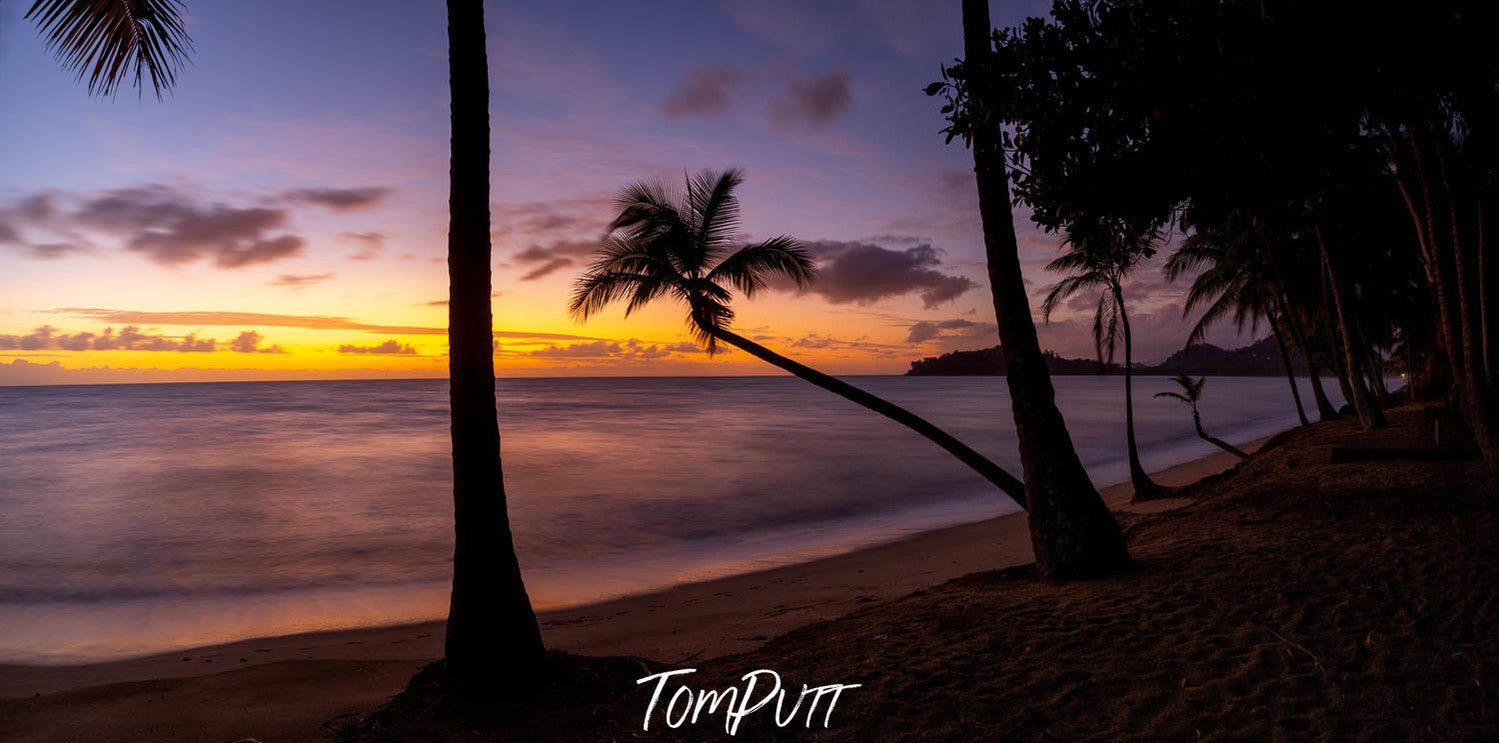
x=144 y=518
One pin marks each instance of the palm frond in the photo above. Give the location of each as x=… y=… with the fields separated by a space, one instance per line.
x=1070 y=286
x=715 y=209
x=1174 y=396
x=105 y=41
x=596 y=290
x=749 y=267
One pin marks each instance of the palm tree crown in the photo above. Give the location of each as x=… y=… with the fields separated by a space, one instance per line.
x=673 y=243
x=1191 y=393
x=1099 y=255
x=105 y=41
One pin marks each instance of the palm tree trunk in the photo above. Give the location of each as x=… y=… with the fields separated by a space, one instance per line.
x=980 y=464
x=1325 y=410
x=492 y=638
x=1285 y=358
x=1334 y=356
x=1482 y=418
x=1145 y=488
x=1072 y=532
x=1369 y=414
x=1221 y=444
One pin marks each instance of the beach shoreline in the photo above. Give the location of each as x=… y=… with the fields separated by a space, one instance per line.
x=697 y=621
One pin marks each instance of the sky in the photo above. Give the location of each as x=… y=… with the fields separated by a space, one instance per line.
x=282 y=213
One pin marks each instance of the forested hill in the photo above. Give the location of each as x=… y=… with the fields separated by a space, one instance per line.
x=1260 y=358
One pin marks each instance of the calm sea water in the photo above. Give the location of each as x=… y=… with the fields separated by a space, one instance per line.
x=136 y=519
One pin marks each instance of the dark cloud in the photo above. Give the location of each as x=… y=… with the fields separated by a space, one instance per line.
x=814 y=101
x=704 y=91
x=339 y=199
x=249 y=342
x=130 y=338
x=390 y=347
x=553 y=265
x=170 y=228
x=863 y=273
x=552 y=258
x=299 y=280
x=371 y=244
x=928 y=330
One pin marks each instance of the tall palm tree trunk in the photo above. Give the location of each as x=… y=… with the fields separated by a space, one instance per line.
x=1481 y=413
x=492 y=634
x=1072 y=532
x=1145 y=488
x=1334 y=356
x=1369 y=414
x=1285 y=358
x=980 y=464
x=1220 y=443
x=1325 y=410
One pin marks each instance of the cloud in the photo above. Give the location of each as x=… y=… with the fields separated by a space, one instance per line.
x=338 y=199
x=559 y=220
x=130 y=338
x=863 y=273
x=704 y=91
x=316 y=322
x=929 y=330
x=249 y=342
x=633 y=349
x=814 y=101
x=371 y=244
x=558 y=255
x=53 y=251
x=390 y=347
x=168 y=226
x=556 y=264
x=299 y=280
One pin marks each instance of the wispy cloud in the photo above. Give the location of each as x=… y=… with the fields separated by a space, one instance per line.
x=300 y=280
x=316 y=322
x=703 y=91
x=814 y=101
x=390 y=347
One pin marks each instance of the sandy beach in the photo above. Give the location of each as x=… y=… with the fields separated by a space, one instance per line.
x=290 y=687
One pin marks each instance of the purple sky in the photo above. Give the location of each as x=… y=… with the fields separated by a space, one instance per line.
x=299 y=170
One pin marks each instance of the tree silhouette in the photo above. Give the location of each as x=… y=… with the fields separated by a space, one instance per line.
x=1099 y=256
x=1072 y=532
x=1191 y=395
x=492 y=639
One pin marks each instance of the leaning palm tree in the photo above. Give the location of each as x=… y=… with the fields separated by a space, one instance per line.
x=1100 y=253
x=492 y=637
x=681 y=246
x=1191 y=395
